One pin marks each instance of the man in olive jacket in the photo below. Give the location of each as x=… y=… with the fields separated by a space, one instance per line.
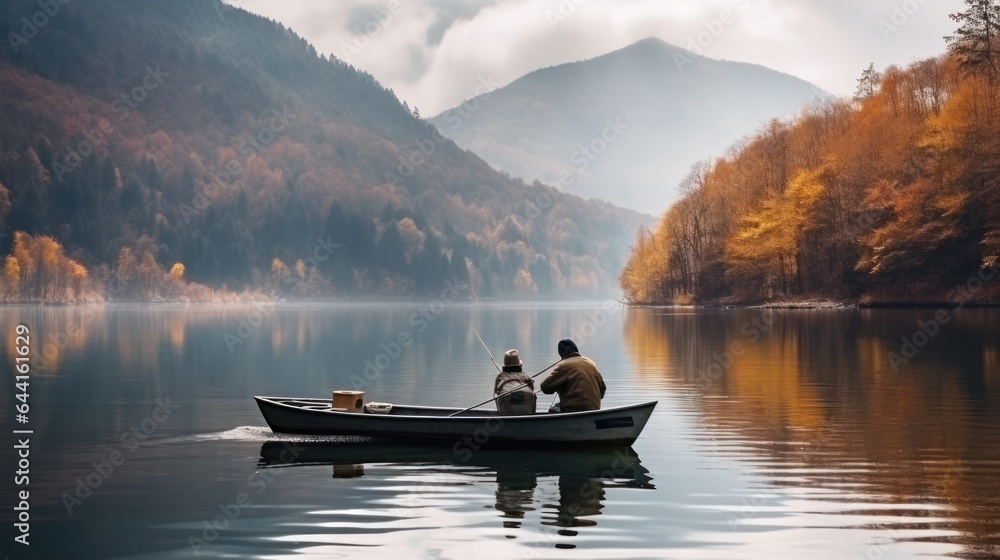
x=576 y=379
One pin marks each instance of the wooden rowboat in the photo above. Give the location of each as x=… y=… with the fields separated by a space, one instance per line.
x=469 y=429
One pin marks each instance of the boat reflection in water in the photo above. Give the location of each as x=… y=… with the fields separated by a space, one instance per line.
x=524 y=480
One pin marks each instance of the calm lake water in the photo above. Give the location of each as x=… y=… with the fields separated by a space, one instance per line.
x=778 y=434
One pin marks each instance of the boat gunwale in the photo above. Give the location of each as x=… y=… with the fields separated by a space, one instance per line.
x=535 y=417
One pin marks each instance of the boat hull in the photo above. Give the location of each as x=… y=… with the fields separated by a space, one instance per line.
x=474 y=429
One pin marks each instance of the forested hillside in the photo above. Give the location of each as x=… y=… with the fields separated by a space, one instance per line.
x=892 y=196
x=189 y=149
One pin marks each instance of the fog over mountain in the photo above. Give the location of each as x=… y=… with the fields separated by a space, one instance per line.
x=626 y=126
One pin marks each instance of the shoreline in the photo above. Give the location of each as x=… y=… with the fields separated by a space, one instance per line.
x=817 y=305
x=357 y=300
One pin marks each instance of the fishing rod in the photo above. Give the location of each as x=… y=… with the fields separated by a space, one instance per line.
x=515 y=389
x=487 y=349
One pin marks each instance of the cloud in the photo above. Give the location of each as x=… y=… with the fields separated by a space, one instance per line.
x=434 y=53
x=448 y=12
x=360 y=15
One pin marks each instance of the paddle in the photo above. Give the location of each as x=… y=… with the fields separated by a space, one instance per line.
x=487 y=349
x=506 y=393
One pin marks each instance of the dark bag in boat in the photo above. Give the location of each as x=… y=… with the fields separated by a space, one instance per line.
x=520 y=402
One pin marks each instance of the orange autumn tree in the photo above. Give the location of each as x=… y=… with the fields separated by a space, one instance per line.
x=922 y=217
x=643 y=276
x=767 y=247
x=5 y=204
x=38 y=269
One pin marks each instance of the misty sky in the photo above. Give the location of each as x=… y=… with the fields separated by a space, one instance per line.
x=435 y=53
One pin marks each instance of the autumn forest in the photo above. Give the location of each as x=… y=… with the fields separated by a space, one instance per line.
x=193 y=151
x=892 y=196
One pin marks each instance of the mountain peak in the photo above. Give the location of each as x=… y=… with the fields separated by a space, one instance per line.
x=652 y=46
x=663 y=98
x=650 y=43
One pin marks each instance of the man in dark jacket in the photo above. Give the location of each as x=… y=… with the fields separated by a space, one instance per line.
x=576 y=379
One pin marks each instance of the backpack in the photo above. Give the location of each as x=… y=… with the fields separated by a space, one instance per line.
x=519 y=403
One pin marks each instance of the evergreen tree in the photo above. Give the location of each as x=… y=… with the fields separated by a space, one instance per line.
x=392 y=251
x=868 y=83
x=973 y=41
